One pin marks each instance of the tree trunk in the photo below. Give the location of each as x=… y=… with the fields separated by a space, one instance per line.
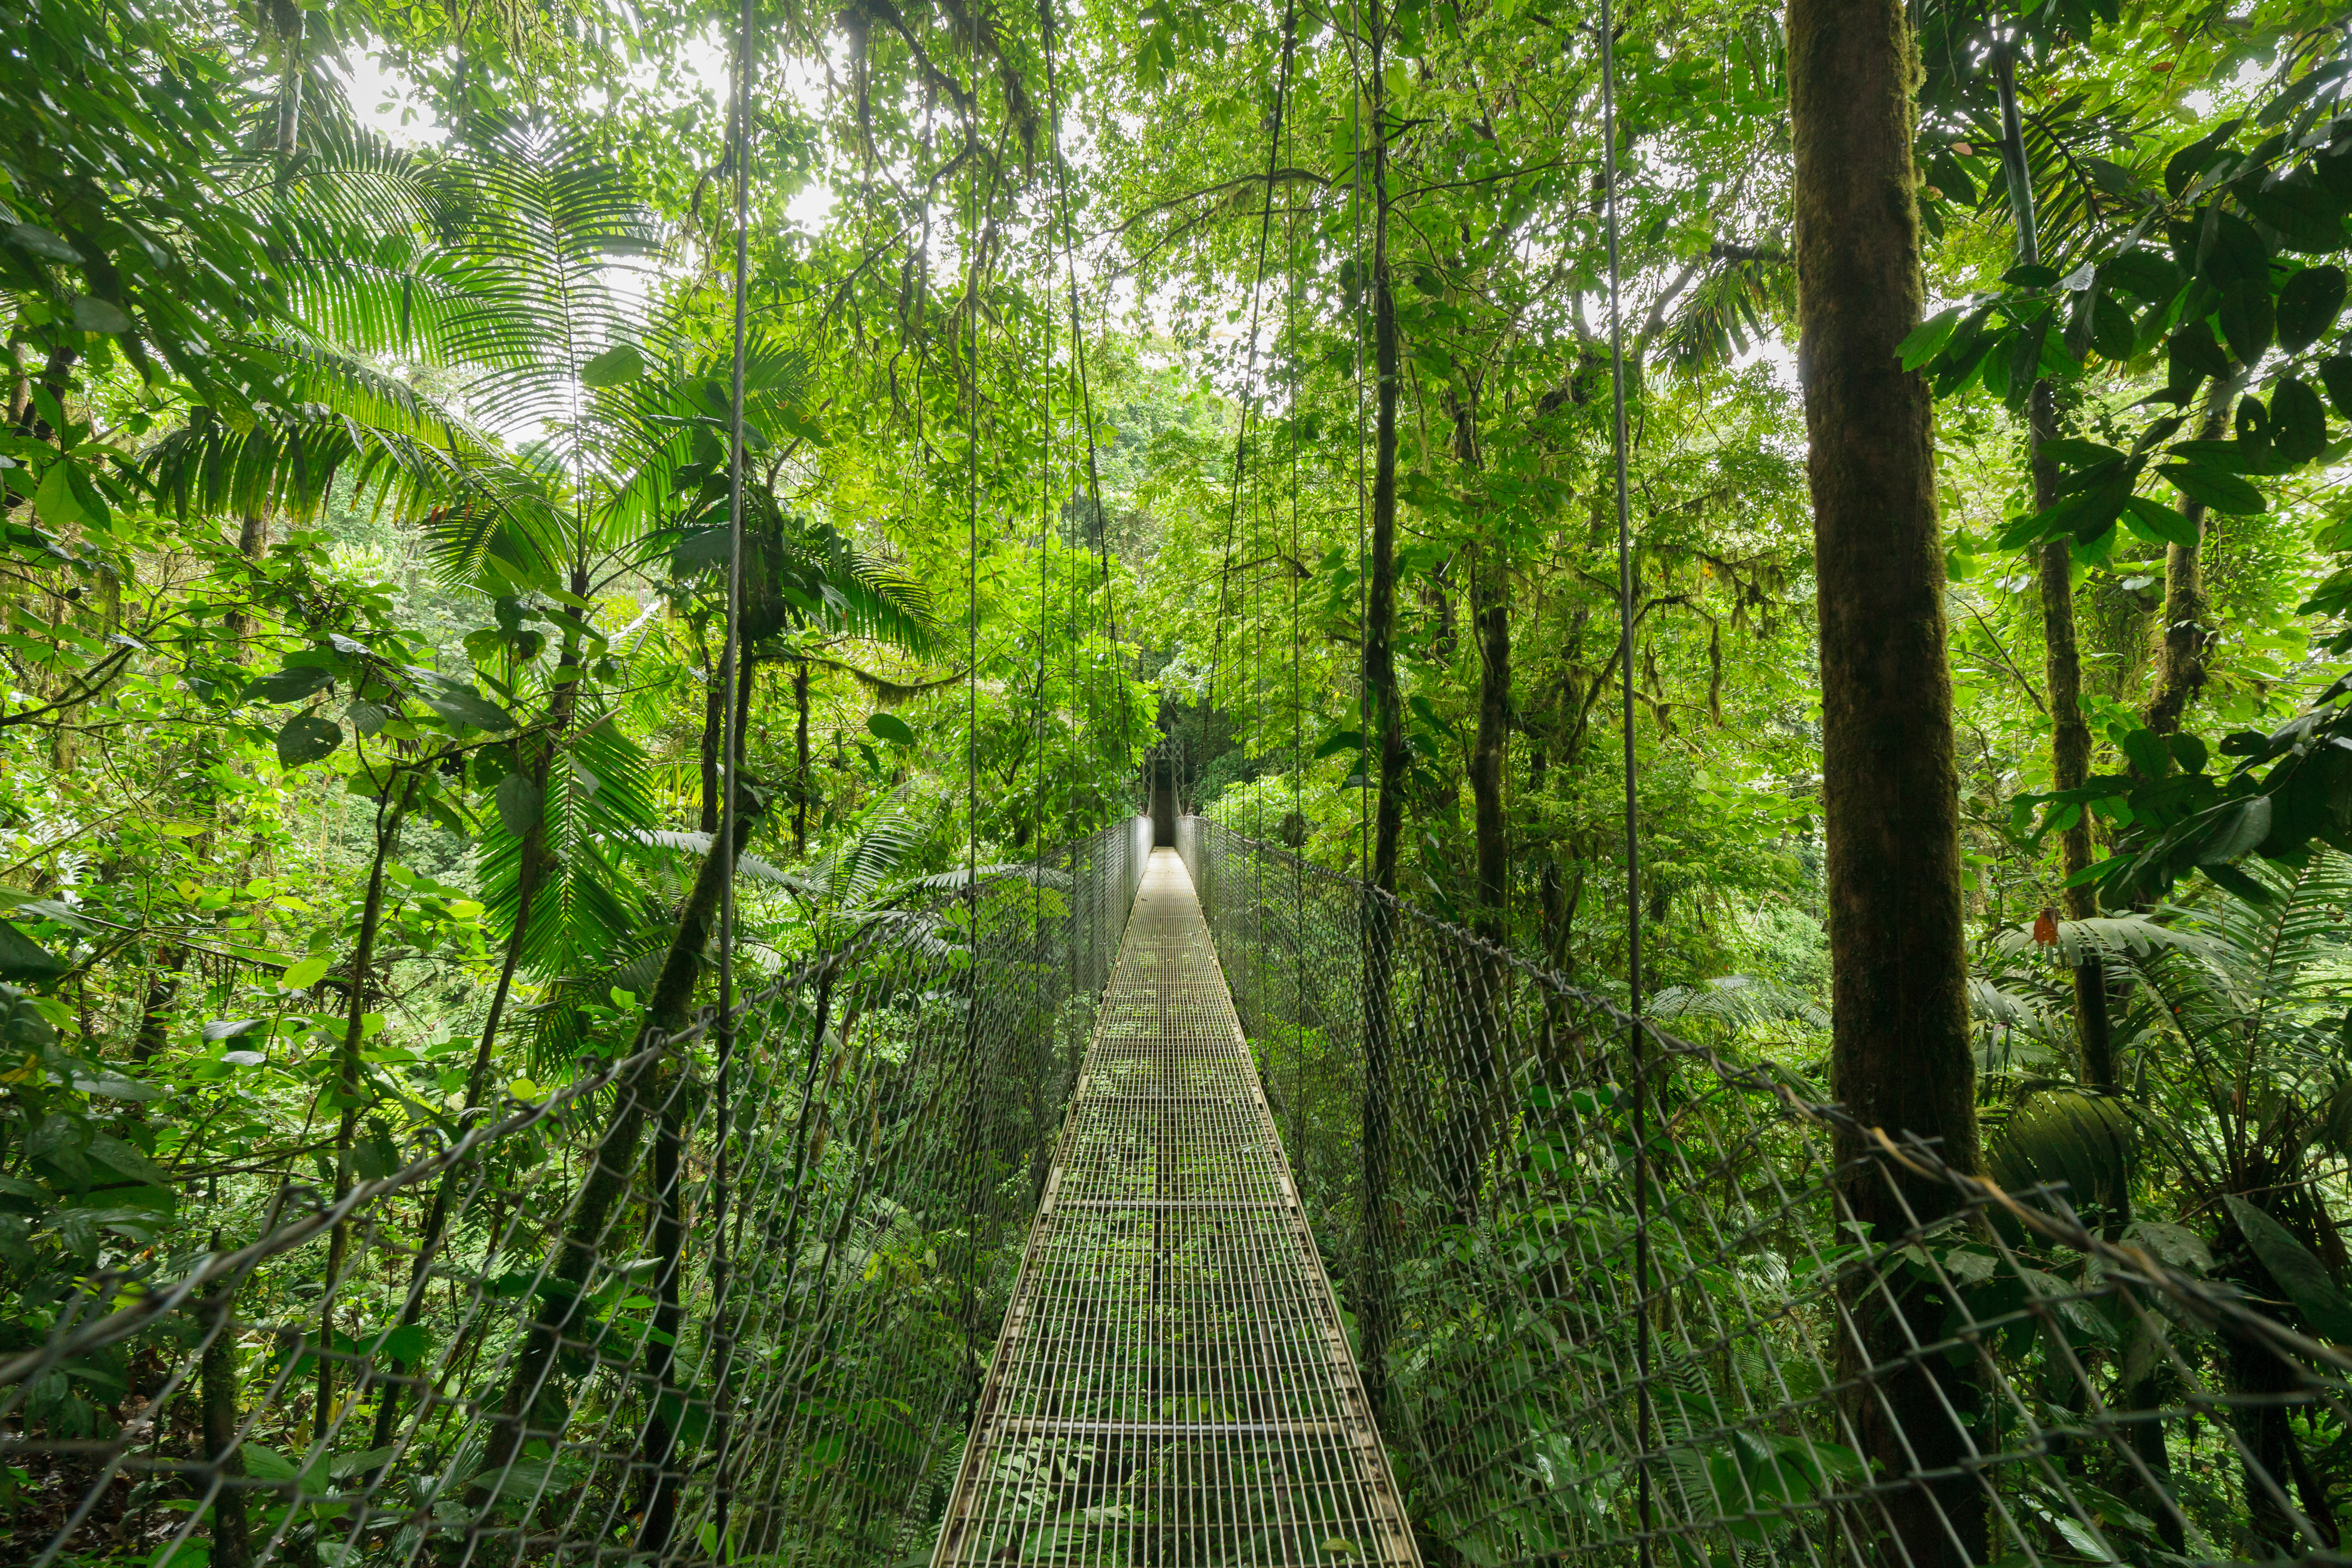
x=2183 y=639
x=2070 y=736
x=657 y=1483
x=253 y=543
x=56 y=380
x=532 y=863
x=155 y=1014
x=389 y=815
x=288 y=18
x=1490 y=584
x=800 y=760
x=1386 y=716
x=1490 y=619
x=216 y=1378
x=613 y=1163
x=2265 y=1389
x=1900 y=1054
x=2070 y=749
x=714 y=728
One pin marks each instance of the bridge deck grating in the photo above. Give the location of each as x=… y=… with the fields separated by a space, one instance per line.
x=1173 y=1384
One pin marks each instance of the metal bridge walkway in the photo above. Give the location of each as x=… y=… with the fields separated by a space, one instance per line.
x=1173 y=1382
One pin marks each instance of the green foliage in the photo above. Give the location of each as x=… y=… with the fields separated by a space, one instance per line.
x=370 y=497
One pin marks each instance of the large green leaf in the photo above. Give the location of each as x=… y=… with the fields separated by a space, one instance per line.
x=460 y=705
x=2086 y=1143
x=2223 y=492
x=306 y=737
x=619 y=363
x=2308 y=306
x=22 y=958
x=2301 y=1277
x=519 y=801
x=288 y=686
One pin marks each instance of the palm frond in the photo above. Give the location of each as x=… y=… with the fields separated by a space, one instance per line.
x=599 y=798
x=693 y=843
x=2012 y=1010
x=2086 y=1145
x=1735 y=305
x=955 y=880
x=2115 y=936
x=2259 y=1011
x=670 y=430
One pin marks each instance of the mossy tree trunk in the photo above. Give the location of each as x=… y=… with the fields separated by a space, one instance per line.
x=1900 y=1048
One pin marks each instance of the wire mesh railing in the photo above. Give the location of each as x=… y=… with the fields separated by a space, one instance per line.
x=1621 y=1297
x=725 y=1298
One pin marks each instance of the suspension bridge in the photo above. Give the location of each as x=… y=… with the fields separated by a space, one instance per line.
x=1153 y=1205
x=1171 y=1315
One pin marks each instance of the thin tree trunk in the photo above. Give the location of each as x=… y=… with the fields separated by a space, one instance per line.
x=714 y=726
x=657 y=1487
x=2264 y=1388
x=801 y=759
x=217 y=1375
x=2070 y=751
x=1490 y=609
x=347 y=1084
x=2183 y=638
x=253 y=543
x=155 y=1014
x=610 y=1169
x=1490 y=618
x=289 y=20
x=1386 y=716
x=56 y=379
x=2070 y=736
x=532 y=863
x=1900 y=1055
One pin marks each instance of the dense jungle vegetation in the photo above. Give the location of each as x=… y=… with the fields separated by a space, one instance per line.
x=1223 y=390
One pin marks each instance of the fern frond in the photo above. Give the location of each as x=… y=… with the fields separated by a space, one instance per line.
x=1738 y=1000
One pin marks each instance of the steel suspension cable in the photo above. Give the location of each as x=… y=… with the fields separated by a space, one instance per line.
x=731 y=773
x=972 y=495
x=1625 y=606
x=1249 y=362
x=1078 y=365
x=1044 y=589
x=1298 y=688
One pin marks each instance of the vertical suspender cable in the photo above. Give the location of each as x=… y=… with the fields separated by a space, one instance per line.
x=1625 y=607
x=971 y=493
x=1249 y=363
x=730 y=781
x=1297 y=702
x=1078 y=366
x=970 y=1153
